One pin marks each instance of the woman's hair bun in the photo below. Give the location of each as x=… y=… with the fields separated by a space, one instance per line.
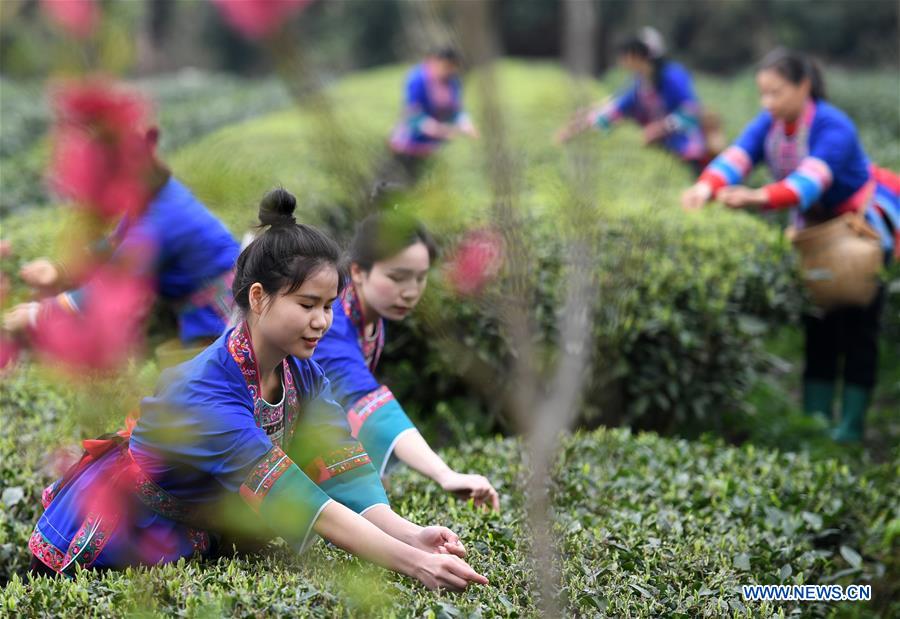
x=277 y=208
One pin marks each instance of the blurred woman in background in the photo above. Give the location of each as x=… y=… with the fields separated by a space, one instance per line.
x=660 y=99
x=432 y=114
x=821 y=171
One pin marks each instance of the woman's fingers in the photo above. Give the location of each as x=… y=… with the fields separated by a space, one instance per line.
x=451 y=581
x=495 y=500
x=463 y=570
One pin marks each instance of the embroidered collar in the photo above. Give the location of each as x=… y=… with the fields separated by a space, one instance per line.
x=371 y=346
x=786 y=149
x=241 y=348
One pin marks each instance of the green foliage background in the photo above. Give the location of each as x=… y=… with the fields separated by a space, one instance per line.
x=651 y=526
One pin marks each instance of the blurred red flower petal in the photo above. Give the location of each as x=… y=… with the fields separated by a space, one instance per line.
x=9 y=352
x=256 y=19
x=475 y=262
x=101 y=159
x=106 y=332
x=77 y=17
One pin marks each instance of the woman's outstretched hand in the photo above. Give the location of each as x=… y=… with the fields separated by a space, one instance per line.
x=439 y=571
x=439 y=540
x=580 y=122
x=738 y=196
x=40 y=274
x=695 y=196
x=475 y=487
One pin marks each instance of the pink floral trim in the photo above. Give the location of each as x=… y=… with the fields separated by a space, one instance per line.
x=366 y=406
x=371 y=349
x=263 y=476
x=338 y=461
x=48 y=554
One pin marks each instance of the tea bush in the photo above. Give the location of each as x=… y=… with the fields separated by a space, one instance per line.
x=189 y=105
x=649 y=527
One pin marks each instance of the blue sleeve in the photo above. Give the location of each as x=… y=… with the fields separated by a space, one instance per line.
x=203 y=418
x=340 y=356
x=374 y=415
x=203 y=421
x=416 y=99
x=135 y=255
x=753 y=139
x=677 y=87
x=735 y=162
x=416 y=92
x=622 y=104
x=829 y=147
x=682 y=103
x=325 y=450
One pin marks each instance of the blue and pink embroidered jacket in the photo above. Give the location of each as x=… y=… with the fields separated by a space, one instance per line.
x=671 y=100
x=206 y=446
x=426 y=97
x=187 y=250
x=819 y=165
x=349 y=358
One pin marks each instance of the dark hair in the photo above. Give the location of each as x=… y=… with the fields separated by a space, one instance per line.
x=448 y=53
x=634 y=46
x=386 y=234
x=286 y=254
x=795 y=67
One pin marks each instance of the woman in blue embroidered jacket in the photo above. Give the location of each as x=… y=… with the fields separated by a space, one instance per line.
x=821 y=171
x=660 y=99
x=390 y=260
x=187 y=251
x=432 y=110
x=249 y=424
x=432 y=114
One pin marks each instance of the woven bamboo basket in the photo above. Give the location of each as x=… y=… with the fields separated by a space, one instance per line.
x=840 y=260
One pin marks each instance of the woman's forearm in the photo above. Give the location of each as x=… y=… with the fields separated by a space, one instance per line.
x=412 y=450
x=386 y=519
x=348 y=530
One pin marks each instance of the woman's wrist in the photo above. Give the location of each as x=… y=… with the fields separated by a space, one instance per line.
x=392 y=523
x=443 y=475
x=410 y=561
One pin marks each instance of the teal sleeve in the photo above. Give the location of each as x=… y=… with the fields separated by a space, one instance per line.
x=359 y=489
x=378 y=420
x=286 y=499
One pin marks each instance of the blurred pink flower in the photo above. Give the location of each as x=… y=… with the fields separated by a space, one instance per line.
x=256 y=19
x=77 y=17
x=101 y=158
x=9 y=352
x=475 y=262
x=107 y=330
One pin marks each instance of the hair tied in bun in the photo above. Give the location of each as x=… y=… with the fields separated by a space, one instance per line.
x=277 y=208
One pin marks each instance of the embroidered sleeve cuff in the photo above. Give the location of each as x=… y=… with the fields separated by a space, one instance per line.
x=377 y=420
x=287 y=500
x=359 y=489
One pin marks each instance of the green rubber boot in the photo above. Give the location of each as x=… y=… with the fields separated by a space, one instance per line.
x=854 y=403
x=817 y=398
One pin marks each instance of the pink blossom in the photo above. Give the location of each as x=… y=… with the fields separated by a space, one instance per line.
x=101 y=158
x=9 y=352
x=256 y=19
x=475 y=262
x=77 y=17
x=107 y=330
